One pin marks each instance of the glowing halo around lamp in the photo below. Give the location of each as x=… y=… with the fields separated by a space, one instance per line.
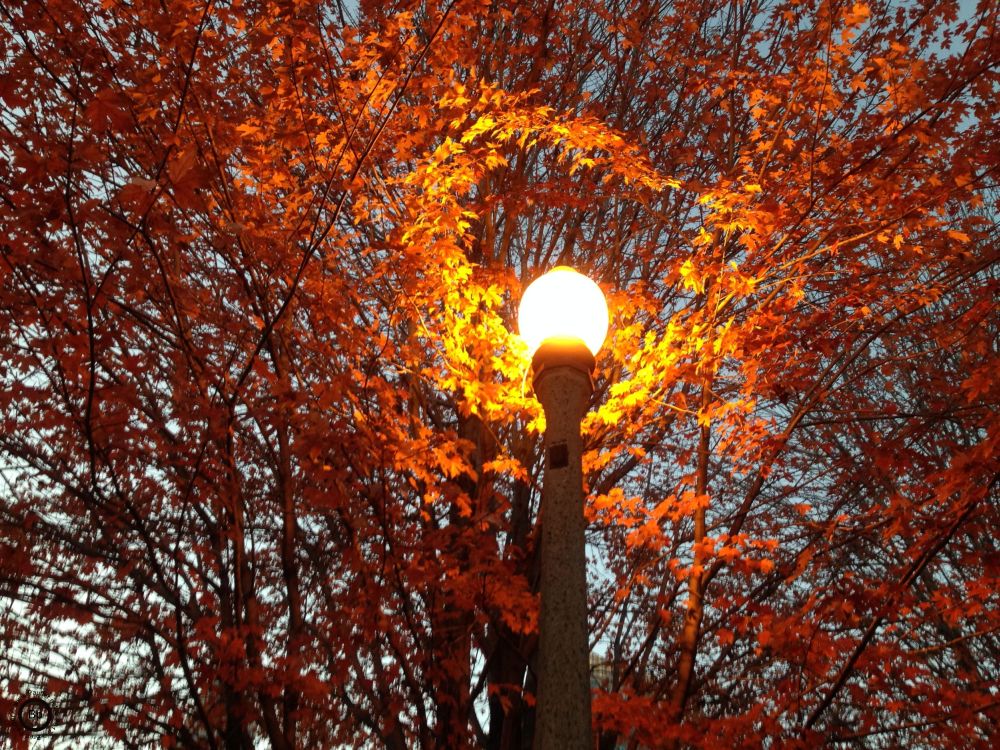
x=563 y=304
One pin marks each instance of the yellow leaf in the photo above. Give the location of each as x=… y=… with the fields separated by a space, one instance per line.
x=480 y=126
x=691 y=280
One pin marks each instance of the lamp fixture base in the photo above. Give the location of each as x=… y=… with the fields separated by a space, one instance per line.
x=563 y=352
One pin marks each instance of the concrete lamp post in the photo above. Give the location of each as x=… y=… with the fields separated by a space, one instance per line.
x=563 y=318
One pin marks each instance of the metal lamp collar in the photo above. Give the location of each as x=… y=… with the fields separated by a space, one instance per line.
x=560 y=351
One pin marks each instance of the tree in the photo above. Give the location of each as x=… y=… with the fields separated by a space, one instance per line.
x=271 y=461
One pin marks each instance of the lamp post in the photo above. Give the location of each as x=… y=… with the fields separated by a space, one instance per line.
x=563 y=318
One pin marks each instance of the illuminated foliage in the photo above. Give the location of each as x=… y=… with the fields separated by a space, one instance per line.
x=270 y=451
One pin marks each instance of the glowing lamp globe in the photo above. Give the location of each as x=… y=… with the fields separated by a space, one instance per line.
x=563 y=304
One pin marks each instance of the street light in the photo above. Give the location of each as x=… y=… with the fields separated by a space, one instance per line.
x=563 y=318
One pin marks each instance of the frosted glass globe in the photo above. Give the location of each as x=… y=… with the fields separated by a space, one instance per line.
x=563 y=304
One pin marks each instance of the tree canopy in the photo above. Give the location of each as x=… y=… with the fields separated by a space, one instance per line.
x=270 y=454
